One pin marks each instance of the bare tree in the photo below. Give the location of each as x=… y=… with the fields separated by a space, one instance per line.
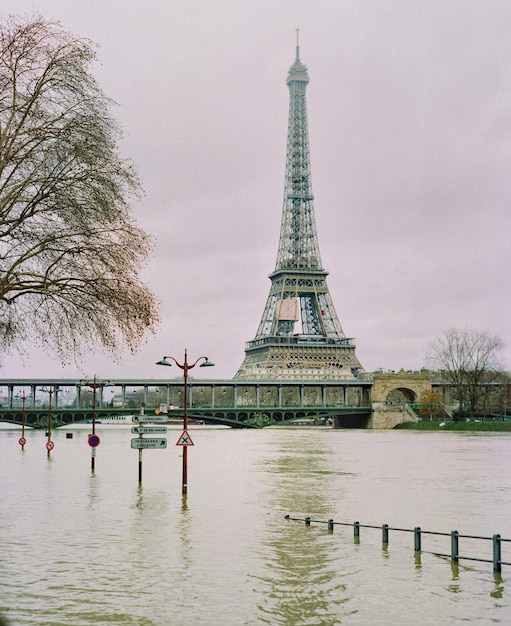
x=429 y=404
x=469 y=361
x=70 y=252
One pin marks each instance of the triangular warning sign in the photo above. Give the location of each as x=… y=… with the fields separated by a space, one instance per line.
x=184 y=439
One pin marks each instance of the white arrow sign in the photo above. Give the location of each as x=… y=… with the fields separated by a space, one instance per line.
x=141 y=430
x=150 y=418
x=156 y=444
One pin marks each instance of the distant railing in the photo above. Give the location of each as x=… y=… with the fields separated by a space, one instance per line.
x=455 y=536
x=411 y=413
x=301 y=339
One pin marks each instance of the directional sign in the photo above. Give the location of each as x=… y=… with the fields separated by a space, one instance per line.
x=141 y=430
x=184 y=439
x=155 y=444
x=150 y=418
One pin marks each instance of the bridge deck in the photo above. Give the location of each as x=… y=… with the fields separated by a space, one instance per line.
x=236 y=417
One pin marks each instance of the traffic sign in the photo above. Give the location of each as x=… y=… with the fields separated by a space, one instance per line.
x=50 y=445
x=150 y=418
x=164 y=408
x=22 y=441
x=184 y=439
x=93 y=441
x=144 y=430
x=140 y=443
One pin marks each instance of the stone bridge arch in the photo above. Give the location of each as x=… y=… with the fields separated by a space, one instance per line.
x=401 y=387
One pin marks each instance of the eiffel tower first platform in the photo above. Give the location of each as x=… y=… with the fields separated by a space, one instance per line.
x=299 y=336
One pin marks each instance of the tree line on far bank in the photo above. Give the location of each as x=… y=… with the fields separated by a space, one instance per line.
x=469 y=362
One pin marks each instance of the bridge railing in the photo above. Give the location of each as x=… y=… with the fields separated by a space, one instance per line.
x=454 y=553
x=411 y=413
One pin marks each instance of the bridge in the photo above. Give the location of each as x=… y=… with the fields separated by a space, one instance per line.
x=241 y=404
x=378 y=400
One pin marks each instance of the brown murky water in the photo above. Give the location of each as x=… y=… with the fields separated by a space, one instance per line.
x=91 y=549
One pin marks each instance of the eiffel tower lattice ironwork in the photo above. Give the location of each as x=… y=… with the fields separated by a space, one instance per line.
x=299 y=336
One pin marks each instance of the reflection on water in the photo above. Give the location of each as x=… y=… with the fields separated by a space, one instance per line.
x=301 y=584
x=90 y=549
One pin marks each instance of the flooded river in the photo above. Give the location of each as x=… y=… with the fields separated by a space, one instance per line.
x=87 y=549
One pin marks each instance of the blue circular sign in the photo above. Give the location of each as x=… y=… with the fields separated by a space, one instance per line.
x=94 y=441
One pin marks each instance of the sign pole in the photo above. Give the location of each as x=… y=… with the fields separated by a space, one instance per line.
x=184 y=490
x=22 y=441
x=93 y=384
x=140 y=436
x=140 y=466
x=49 y=443
x=48 y=427
x=139 y=443
x=93 y=451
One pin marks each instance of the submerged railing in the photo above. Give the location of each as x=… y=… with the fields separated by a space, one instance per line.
x=418 y=533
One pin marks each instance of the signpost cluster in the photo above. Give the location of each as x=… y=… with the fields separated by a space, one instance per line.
x=145 y=426
x=150 y=443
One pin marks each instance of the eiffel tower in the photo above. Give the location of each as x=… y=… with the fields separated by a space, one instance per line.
x=299 y=336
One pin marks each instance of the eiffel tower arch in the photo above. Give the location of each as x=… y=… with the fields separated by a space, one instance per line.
x=299 y=336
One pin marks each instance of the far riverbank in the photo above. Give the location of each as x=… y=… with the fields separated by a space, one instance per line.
x=472 y=426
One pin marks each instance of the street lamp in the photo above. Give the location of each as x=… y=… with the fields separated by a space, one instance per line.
x=23 y=398
x=94 y=385
x=51 y=390
x=186 y=367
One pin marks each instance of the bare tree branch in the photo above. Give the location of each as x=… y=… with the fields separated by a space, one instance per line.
x=70 y=252
x=468 y=360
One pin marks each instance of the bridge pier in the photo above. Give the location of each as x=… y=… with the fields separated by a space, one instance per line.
x=390 y=415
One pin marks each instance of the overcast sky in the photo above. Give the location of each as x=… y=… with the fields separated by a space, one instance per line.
x=409 y=108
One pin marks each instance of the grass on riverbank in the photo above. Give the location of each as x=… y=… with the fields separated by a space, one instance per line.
x=475 y=426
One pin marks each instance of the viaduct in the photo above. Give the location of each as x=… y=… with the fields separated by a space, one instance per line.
x=374 y=401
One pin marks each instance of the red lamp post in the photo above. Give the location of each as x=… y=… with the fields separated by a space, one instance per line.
x=186 y=367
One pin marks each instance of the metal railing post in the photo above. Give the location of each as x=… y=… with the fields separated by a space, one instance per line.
x=455 y=547
x=497 y=553
x=417 y=539
x=385 y=534
x=356 y=530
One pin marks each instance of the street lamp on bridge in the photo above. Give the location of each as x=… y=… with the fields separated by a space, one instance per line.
x=186 y=367
x=94 y=385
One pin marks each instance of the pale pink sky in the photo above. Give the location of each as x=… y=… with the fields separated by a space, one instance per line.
x=410 y=133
